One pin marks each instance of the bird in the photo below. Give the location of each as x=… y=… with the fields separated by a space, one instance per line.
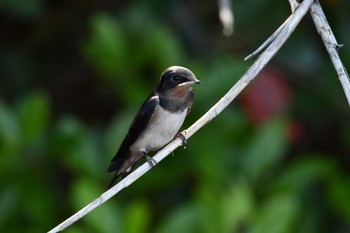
x=157 y=121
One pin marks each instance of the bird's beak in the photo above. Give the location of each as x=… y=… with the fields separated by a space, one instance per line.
x=195 y=81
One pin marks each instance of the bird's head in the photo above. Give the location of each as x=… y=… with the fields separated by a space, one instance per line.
x=176 y=79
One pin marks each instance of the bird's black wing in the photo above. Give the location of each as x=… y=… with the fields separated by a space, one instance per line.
x=139 y=123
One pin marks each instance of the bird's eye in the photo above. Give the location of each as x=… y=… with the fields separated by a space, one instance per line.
x=175 y=78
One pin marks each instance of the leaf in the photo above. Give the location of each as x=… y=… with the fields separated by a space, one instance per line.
x=209 y=208
x=236 y=207
x=77 y=147
x=24 y=9
x=277 y=215
x=219 y=76
x=105 y=46
x=9 y=129
x=67 y=134
x=8 y=200
x=34 y=116
x=184 y=219
x=105 y=218
x=338 y=195
x=163 y=48
x=35 y=201
x=137 y=217
x=266 y=148
x=303 y=172
x=116 y=131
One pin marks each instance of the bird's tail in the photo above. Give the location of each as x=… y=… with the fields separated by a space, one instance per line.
x=117 y=175
x=114 y=179
x=121 y=174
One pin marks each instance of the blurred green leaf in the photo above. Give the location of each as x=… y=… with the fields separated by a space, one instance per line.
x=157 y=47
x=106 y=218
x=116 y=131
x=208 y=205
x=105 y=47
x=8 y=202
x=137 y=217
x=216 y=161
x=77 y=147
x=163 y=48
x=86 y=156
x=303 y=172
x=217 y=78
x=68 y=133
x=266 y=148
x=24 y=9
x=184 y=219
x=34 y=116
x=9 y=129
x=237 y=206
x=278 y=214
x=75 y=229
x=338 y=194
x=39 y=204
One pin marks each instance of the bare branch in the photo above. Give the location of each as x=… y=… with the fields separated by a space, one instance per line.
x=331 y=45
x=293 y=4
x=257 y=66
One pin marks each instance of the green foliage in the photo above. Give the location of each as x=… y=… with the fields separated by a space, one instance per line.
x=278 y=214
x=22 y=9
x=9 y=132
x=64 y=113
x=106 y=45
x=237 y=206
x=34 y=117
x=138 y=211
x=183 y=219
x=104 y=218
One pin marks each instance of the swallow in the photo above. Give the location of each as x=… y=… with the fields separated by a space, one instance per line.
x=158 y=120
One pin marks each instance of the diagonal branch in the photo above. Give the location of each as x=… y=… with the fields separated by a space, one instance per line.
x=293 y=4
x=331 y=45
x=257 y=66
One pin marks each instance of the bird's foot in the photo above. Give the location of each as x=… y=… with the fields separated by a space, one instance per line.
x=151 y=161
x=183 y=139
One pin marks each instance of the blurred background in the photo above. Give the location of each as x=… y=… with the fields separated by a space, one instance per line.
x=74 y=73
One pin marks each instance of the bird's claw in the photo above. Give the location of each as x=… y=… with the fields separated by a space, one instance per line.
x=151 y=161
x=183 y=139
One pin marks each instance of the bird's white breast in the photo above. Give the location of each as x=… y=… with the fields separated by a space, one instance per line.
x=161 y=129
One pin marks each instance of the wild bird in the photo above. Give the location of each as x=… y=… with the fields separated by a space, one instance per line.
x=157 y=121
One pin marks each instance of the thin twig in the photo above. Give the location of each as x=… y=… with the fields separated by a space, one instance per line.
x=257 y=66
x=293 y=5
x=268 y=40
x=331 y=45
